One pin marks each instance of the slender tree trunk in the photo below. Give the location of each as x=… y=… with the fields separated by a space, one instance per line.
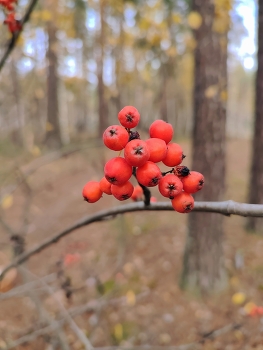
x=163 y=93
x=203 y=269
x=53 y=135
x=256 y=174
x=102 y=108
x=17 y=134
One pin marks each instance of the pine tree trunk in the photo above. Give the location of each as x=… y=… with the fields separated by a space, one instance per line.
x=203 y=269
x=256 y=174
x=102 y=105
x=53 y=134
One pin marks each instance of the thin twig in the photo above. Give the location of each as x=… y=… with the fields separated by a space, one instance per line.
x=16 y=35
x=44 y=316
x=89 y=307
x=79 y=333
x=19 y=291
x=226 y=208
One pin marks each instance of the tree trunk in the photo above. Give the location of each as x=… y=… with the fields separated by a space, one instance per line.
x=53 y=134
x=102 y=107
x=17 y=134
x=163 y=93
x=203 y=269
x=256 y=174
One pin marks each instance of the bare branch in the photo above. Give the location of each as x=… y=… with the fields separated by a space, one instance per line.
x=24 y=288
x=79 y=333
x=16 y=35
x=226 y=208
x=89 y=307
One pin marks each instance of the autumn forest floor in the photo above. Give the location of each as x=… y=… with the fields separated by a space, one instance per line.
x=112 y=262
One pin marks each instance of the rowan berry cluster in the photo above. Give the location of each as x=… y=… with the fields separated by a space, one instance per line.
x=140 y=158
x=8 y=6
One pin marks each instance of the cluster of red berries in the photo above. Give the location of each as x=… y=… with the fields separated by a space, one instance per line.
x=140 y=158
x=13 y=24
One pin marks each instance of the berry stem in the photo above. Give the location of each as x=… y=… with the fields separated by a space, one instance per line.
x=168 y=172
x=146 y=192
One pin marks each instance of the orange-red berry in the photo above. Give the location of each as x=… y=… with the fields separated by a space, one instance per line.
x=91 y=191
x=122 y=192
x=183 y=202
x=105 y=186
x=193 y=182
x=136 y=153
x=137 y=193
x=157 y=148
x=129 y=117
x=174 y=155
x=149 y=174
x=161 y=130
x=117 y=171
x=170 y=185
x=115 y=137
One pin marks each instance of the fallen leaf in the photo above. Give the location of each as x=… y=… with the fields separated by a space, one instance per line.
x=7 y=201
x=130 y=298
x=118 y=331
x=238 y=298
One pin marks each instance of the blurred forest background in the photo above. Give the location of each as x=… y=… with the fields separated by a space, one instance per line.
x=116 y=284
x=109 y=54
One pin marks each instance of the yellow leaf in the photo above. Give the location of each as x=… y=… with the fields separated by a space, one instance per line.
x=249 y=307
x=194 y=20
x=46 y=15
x=35 y=151
x=238 y=334
x=8 y=280
x=7 y=201
x=238 y=298
x=130 y=298
x=211 y=91
x=223 y=95
x=49 y=126
x=20 y=40
x=176 y=18
x=118 y=331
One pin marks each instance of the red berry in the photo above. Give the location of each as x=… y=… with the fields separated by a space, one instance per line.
x=122 y=192
x=183 y=202
x=129 y=117
x=105 y=186
x=193 y=182
x=149 y=174
x=91 y=191
x=170 y=185
x=153 y=200
x=174 y=155
x=161 y=130
x=137 y=194
x=115 y=137
x=117 y=171
x=136 y=153
x=157 y=148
